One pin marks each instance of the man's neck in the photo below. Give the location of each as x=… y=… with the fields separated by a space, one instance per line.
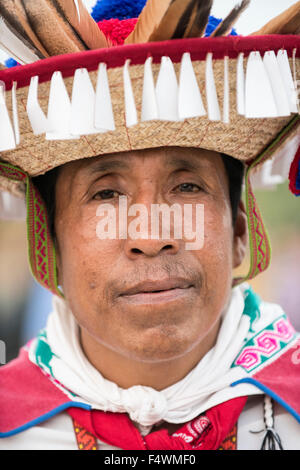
x=126 y=372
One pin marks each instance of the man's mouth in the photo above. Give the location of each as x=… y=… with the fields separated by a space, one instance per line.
x=149 y=292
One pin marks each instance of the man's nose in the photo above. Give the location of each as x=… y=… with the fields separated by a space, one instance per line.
x=150 y=248
x=151 y=242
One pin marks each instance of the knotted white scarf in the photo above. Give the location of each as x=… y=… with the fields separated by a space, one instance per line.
x=207 y=385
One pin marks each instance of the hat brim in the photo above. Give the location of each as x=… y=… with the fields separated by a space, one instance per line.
x=242 y=138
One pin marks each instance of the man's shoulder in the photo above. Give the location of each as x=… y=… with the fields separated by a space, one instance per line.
x=26 y=394
x=272 y=364
x=20 y=375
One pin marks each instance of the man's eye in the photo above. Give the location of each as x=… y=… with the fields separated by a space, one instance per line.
x=106 y=194
x=189 y=188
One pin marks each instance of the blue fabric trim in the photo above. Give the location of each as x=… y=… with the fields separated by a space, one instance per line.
x=45 y=417
x=269 y=392
x=298 y=178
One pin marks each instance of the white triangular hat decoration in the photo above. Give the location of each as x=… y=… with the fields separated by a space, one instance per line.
x=104 y=117
x=267 y=90
x=59 y=110
x=83 y=104
x=287 y=77
x=35 y=113
x=167 y=91
x=15 y=113
x=7 y=134
x=226 y=98
x=240 y=85
x=149 y=103
x=130 y=107
x=259 y=99
x=214 y=113
x=277 y=84
x=190 y=102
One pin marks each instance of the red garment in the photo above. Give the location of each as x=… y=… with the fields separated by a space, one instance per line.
x=206 y=432
x=28 y=397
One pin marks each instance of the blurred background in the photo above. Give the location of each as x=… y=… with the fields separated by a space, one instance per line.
x=24 y=305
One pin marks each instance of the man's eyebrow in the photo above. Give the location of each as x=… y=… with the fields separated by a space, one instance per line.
x=184 y=163
x=171 y=161
x=107 y=165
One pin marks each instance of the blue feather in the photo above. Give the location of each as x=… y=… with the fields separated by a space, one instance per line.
x=9 y=63
x=120 y=9
x=124 y=9
x=213 y=22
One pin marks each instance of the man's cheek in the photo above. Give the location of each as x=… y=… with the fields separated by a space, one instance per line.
x=217 y=225
x=217 y=242
x=87 y=262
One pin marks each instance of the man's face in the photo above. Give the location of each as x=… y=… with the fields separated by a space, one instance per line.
x=146 y=299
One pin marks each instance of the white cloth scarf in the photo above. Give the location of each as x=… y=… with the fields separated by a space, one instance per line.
x=207 y=385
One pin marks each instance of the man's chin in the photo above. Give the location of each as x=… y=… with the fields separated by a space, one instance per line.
x=166 y=313
x=159 y=344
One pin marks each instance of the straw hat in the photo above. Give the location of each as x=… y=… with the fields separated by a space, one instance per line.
x=80 y=95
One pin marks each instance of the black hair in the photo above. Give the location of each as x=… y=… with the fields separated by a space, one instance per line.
x=235 y=174
x=46 y=186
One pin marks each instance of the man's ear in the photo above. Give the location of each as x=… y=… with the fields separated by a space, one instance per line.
x=240 y=236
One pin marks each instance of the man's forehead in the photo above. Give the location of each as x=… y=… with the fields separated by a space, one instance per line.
x=190 y=159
